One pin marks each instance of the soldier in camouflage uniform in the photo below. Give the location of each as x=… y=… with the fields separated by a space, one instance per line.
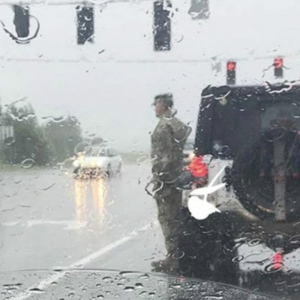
x=167 y=143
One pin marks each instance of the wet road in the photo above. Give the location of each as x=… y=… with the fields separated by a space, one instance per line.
x=49 y=220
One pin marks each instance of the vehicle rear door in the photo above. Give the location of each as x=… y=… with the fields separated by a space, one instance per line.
x=114 y=161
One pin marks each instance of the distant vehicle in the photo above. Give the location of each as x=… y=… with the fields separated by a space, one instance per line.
x=188 y=151
x=96 y=162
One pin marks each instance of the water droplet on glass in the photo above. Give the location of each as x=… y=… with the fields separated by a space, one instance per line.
x=71 y=294
x=97 y=141
x=254 y=242
x=273 y=268
x=81 y=147
x=139 y=285
x=11 y=287
x=36 y=290
x=295 y=110
x=9 y=141
x=107 y=279
x=100 y=297
x=129 y=289
x=178 y=254
x=238 y=258
x=144 y=276
x=58 y=119
x=127 y=273
x=176 y=285
x=39 y=3
x=27 y=163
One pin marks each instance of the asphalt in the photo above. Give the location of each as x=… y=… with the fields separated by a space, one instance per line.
x=49 y=220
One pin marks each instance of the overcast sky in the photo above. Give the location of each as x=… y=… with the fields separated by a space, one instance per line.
x=111 y=92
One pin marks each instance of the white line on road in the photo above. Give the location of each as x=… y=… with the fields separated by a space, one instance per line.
x=45 y=283
x=30 y=223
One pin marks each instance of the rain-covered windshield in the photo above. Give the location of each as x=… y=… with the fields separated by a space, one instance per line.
x=149 y=136
x=96 y=152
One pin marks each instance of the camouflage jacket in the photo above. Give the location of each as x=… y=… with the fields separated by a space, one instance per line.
x=167 y=143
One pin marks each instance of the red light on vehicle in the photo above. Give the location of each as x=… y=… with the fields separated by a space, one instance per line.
x=278 y=261
x=278 y=63
x=231 y=66
x=197 y=167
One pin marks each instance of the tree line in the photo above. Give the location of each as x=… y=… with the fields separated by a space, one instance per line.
x=46 y=143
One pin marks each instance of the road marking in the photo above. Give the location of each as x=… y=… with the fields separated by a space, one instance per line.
x=68 y=224
x=43 y=284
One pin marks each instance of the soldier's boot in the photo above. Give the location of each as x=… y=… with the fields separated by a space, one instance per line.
x=168 y=265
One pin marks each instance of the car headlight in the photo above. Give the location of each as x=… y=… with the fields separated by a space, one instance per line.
x=76 y=164
x=96 y=164
x=191 y=155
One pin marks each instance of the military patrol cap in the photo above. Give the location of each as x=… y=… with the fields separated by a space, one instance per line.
x=166 y=99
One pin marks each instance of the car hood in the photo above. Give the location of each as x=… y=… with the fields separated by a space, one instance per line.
x=97 y=284
x=97 y=158
x=91 y=161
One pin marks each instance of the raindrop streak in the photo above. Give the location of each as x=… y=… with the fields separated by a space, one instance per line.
x=27 y=163
x=49 y=187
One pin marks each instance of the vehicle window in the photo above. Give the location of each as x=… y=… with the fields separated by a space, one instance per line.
x=102 y=152
x=149 y=149
x=113 y=152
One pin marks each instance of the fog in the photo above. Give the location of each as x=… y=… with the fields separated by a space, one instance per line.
x=109 y=85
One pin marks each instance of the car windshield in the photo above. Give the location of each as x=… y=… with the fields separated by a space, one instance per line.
x=159 y=139
x=97 y=152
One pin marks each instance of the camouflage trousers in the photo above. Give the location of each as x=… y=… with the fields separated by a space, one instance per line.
x=168 y=201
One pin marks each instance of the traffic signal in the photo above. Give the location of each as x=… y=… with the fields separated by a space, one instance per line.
x=21 y=20
x=85 y=24
x=162 y=26
x=231 y=72
x=278 y=67
x=199 y=9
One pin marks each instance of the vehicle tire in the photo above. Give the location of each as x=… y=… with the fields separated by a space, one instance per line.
x=108 y=171
x=119 y=170
x=257 y=194
x=208 y=247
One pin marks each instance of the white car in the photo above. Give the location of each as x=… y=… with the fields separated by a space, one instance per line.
x=96 y=162
x=188 y=151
